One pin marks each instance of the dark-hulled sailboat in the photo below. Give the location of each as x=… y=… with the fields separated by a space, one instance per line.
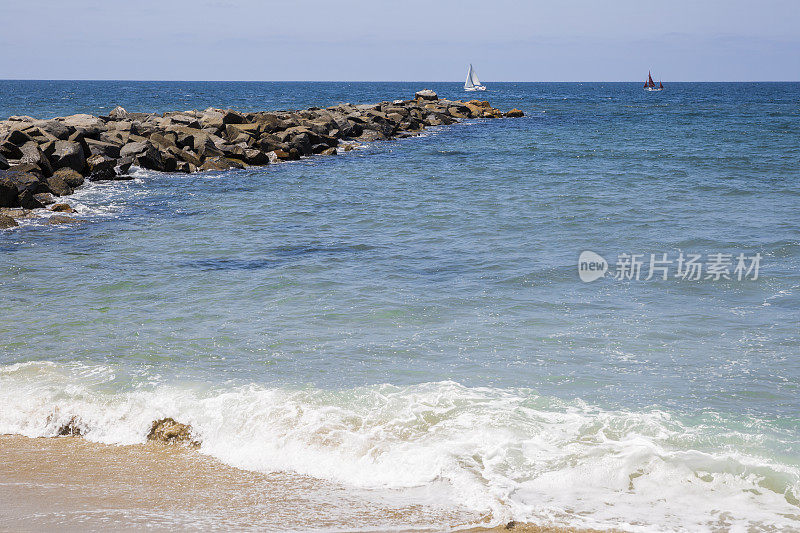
x=650 y=85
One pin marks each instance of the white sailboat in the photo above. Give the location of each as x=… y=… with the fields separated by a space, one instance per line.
x=473 y=83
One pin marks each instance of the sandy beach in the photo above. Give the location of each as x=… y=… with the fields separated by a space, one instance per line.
x=71 y=484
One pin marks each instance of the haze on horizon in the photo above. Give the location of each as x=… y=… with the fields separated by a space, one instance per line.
x=574 y=40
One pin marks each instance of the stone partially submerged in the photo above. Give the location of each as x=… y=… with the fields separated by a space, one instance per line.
x=168 y=431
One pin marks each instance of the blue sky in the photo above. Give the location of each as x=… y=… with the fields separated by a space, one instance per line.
x=570 y=40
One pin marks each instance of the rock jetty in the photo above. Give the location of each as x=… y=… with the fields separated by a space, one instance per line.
x=41 y=160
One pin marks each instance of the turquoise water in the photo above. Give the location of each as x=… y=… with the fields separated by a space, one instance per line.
x=411 y=313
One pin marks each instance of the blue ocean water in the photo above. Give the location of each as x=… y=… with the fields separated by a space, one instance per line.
x=411 y=312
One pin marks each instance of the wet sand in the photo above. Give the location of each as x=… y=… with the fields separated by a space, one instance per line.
x=71 y=484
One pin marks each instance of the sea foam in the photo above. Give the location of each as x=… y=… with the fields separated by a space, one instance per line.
x=501 y=453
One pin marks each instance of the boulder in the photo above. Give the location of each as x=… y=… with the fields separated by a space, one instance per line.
x=212 y=121
x=57 y=129
x=7 y=222
x=168 y=431
x=70 y=177
x=62 y=208
x=236 y=163
x=123 y=166
x=425 y=94
x=8 y=193
x=161 y=140
x=184 y=119
x=144 y=154
x=10 y=150
x=169 y=163
x=514 y=113
x=63 y=219
x=329 y=151
x=255 y=157
x=122 y=126
x=28 y=168
x=118 y=113
x=3 y=162
x=44 y=198
x=274 y=156
x=23 y=181
x=32 y=154
x=268 y=142
x=103 y=148
x=91 y=126
x=68 y=154
x=18 y=137
x=185 y=156
x=72 y=428
x=28 y=200
x=269 y=122
x=230 y=116
x=371 y=135
x=319 y=148
x=58 y=186
x=215 y=163
x=101 y=168
x=235 y=151
x=134 y=148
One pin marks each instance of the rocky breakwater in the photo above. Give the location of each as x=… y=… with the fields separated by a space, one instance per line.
x=44 y=159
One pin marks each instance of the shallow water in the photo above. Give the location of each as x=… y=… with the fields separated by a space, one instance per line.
x=411 y=313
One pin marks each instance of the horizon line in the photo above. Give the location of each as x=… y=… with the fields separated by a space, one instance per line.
x=384 y=81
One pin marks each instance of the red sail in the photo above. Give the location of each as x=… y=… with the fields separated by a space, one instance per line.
x=650 y=82
x=660 y=85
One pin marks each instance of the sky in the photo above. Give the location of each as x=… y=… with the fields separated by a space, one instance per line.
x=410 y=40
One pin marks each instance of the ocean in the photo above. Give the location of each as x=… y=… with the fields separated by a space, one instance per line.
x=407 y=320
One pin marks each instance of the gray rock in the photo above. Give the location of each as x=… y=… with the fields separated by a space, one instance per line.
x=255 y=157
x=101 y=168
x=118 y=113
x=123 y=166
x=70 y=177
x=102 y=148
x=44 y=198
x=68 y=154
x=58 y=129
x=32 y=154
x=134 y=148
x=58 y=186
x=144 y=154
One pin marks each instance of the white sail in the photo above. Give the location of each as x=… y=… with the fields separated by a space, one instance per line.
x=473 y=83
x=474 y=76
x=469 y=84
